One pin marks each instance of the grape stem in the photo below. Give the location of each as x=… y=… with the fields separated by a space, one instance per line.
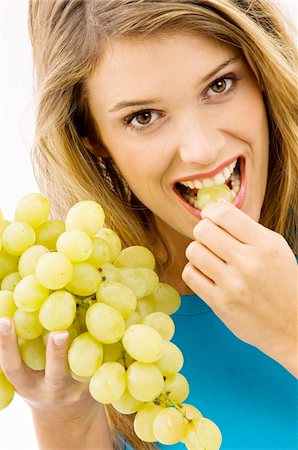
x=165 y=400
x=86 y=302
x=123 y=358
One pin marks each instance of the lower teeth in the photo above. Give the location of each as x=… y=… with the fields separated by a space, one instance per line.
x=219 y=193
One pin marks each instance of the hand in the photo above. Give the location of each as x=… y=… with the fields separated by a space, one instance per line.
x=247 y=274
x=64 y=413
x=50 y=391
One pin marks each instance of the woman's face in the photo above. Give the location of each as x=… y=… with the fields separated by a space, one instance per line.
x=180 y=109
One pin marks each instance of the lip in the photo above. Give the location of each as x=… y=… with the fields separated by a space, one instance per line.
x=210 y=174
x=238 y=200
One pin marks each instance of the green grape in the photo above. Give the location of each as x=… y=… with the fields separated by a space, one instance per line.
x=202 y=432
x=29 y=294
x=191 y=411
x=3 y=225
x=100 y=254
x=118 y=296
x=162 y=323
x=108 y=383
x=75 y=245
x=78 y=378
x=151 y=278
x=85 y=280
x=113 y=352
x=33 y=353
x=115 y=311
x=54 y=270
x=143 y=421
x=127 y=404
x=48 y=233
x=191 y=439
x=7 y=304
x=33 y=209
x=165 y=299
x=8 y=264
x=144 y=308
x=219 y=193
x=169 y=426
x=135 y=256
x=133 y=318
x=144 y=381
x=143 y=343
x=10 y=281
x=110 y=272
x=87 y=216
x=105 y=323
x=209 y=433
x=58 y=311
x=29 y=259
x=85 y=355
x=113 y=241
x=177 y=386
x=17 y=237
x=141 y=281
x=171 y=361
x=6 y=391
x=27 y=324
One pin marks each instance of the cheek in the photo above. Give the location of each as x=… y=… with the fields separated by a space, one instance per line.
x=252 y=119
x=136 y=164
x=134 y=154
x=128 y=156
x=140 y=166
x=259 y=137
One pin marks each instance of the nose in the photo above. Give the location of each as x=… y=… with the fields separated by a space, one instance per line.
x=199 y=139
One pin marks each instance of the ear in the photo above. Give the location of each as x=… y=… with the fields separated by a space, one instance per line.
x=95 y=147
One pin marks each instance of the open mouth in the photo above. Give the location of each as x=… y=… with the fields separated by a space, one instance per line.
x=232 y=176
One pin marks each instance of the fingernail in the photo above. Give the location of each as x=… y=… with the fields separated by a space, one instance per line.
x=5 y=326
x=59 y=339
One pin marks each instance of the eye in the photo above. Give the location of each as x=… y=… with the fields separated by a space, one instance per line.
x=141 y=119
x=221 y=86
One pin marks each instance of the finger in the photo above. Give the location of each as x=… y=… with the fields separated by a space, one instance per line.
x=199 y=283
x=234 y=221
x=10 y=359
x=221 y=243
x=206 y=261
x=56 y=371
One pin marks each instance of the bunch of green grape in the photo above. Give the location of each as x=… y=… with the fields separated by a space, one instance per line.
x=75 y=276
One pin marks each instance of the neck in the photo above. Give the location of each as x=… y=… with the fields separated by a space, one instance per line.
x=176 y=245
x=172 y=276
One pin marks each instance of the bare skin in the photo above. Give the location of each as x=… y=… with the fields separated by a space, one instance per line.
x=64 y=413
x=237 y=266
x=244 y=271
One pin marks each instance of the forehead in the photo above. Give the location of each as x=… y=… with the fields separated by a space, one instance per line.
x=154 y=66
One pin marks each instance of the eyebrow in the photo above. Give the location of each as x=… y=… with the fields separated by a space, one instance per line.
x=130 y=103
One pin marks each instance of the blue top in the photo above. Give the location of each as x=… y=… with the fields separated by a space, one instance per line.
x=251 y=398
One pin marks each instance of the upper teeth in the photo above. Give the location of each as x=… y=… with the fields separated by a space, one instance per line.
x=219 y=178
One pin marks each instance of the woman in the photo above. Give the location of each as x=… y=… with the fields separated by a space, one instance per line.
x=142 y=104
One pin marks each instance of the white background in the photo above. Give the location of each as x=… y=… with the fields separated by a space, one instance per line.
x=16 y=177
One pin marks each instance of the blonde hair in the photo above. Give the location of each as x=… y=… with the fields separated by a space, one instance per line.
x=68 y=38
